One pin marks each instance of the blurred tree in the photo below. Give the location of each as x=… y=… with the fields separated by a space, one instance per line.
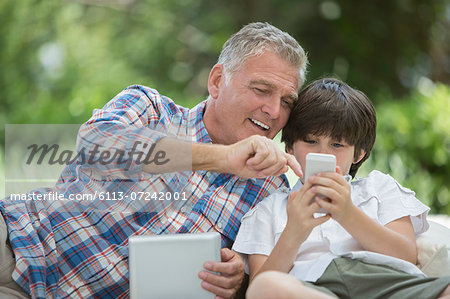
x=379 y=46
x=413 y=144
x=77 y=54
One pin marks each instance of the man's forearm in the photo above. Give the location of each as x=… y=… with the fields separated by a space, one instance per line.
x=210 y=157
x=185 y=156
x=253 y=157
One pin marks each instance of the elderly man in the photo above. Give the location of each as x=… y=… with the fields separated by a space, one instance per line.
x=70 y=250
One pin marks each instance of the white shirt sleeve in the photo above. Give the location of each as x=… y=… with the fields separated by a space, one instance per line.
x=258 y=227
x=257 y=231
x=396 y=201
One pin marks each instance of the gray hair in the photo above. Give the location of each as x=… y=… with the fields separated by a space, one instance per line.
x=255 y=38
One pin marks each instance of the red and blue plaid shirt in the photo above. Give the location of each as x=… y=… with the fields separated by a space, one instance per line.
x=79 y=249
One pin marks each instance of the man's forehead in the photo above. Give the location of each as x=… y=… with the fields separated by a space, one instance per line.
x=263 y=82
x=269 y=59
x=292 y=95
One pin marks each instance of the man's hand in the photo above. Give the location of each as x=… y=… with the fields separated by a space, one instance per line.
x=258 y=157
x=228 y=282
x=252 y=157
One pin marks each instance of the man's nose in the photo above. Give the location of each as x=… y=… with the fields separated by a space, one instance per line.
x=272 y=107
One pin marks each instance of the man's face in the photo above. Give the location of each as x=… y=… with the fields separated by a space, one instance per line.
x=256 y=101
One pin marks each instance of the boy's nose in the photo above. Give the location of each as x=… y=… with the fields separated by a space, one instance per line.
x=320 y=150
x=324 y=150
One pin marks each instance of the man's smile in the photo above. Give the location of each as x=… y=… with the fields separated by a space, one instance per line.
x=260 y=124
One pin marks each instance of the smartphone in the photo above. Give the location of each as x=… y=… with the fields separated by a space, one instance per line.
x=316 y=163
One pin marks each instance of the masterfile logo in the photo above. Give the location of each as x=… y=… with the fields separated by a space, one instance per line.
x=108 y=157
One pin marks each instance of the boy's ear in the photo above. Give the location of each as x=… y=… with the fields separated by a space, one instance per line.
x=288 y=150
x=359 y=158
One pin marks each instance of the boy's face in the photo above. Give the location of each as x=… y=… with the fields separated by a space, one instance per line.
x=344 y=152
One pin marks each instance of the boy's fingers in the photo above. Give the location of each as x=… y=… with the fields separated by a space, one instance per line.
x=323 y=203
x=321 y=219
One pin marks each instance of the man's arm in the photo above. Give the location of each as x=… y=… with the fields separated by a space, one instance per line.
x=253 y=157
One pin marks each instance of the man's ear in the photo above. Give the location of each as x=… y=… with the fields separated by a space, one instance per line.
x=359 y=158
x=215 y=79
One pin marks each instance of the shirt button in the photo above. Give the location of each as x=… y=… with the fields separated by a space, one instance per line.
x=183 y=209
x=219 y=225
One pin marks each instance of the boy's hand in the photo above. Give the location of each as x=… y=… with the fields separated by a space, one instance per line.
x=336 y=189
x=300 y=212
x=230 y=277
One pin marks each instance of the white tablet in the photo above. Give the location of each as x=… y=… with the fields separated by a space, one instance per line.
x=167 y=266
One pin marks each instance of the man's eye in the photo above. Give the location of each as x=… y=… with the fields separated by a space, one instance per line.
x=259 y=90
x=287 y=103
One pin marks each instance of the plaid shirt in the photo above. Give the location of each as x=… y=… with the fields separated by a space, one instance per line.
x=79 y=249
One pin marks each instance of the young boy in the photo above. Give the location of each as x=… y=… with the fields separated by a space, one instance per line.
x=365 y=246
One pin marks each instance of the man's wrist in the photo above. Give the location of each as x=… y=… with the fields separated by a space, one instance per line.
x=210 y=157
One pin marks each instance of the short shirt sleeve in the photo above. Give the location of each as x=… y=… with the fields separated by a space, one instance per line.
x=258 y=227
x=396 y=201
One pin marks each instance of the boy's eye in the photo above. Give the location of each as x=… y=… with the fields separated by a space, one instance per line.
x=337 y=144
x=310 y=141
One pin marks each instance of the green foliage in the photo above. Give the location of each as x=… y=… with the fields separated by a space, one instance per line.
x=61 y=59
x=413 y=145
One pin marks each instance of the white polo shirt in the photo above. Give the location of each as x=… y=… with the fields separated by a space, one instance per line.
x=379 y=196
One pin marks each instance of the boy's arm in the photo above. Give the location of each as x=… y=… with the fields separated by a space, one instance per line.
x=282 y=256
x=300 y=223
x=395 y=239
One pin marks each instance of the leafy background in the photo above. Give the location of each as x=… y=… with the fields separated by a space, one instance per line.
x=61 y=59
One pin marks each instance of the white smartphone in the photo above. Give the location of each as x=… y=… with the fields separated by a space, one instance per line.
x=316 y=163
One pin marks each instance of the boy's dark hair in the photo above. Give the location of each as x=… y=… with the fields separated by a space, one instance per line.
x=329 y=107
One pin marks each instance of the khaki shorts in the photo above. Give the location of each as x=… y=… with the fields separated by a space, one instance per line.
x=8 y=287
x=348 y=278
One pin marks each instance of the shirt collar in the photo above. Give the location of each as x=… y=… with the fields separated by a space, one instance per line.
x=196 y=124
